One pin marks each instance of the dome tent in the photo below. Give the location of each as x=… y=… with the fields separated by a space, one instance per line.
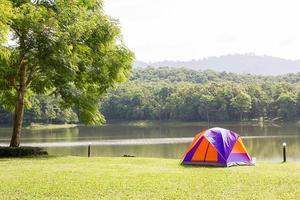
x=217 y=147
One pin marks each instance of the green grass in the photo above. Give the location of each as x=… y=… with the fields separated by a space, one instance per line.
x=143 y=178
x=37 y=126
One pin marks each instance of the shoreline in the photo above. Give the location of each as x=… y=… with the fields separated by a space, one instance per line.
x=37 y=126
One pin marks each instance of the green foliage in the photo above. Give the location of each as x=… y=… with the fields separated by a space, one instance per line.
x=241 y=102
x=5 y=18
x=47 y=109
x=68 y=48
x=175 y=75
x=287 y=106
x=145 y=99
x=181 y=94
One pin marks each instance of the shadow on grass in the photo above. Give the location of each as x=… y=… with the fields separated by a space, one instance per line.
x=201 y=166
x=211 y=166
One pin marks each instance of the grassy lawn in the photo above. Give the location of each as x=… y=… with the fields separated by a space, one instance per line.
x=143 y=178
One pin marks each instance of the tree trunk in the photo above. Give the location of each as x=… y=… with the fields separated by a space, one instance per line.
x=19 y=109
x=207 y=117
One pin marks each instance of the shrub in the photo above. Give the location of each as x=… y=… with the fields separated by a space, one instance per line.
x=21 y=152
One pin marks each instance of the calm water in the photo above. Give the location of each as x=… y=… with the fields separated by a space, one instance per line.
x=167 y=140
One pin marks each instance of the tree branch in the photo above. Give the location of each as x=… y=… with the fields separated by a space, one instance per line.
x=19 y=65
x=30 y=77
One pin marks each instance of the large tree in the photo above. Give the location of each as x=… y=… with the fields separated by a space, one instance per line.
x=67 y=48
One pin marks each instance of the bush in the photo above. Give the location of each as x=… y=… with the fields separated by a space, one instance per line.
x=22 y=152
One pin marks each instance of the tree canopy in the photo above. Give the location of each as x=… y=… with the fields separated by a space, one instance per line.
x=183 y=94
x=67 y=48
x=167 y=94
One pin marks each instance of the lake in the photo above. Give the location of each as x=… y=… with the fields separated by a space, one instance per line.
x=158 y=139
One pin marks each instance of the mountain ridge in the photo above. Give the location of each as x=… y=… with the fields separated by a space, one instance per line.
x=237 y=63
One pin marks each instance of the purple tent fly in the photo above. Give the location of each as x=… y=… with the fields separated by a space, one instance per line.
x=217 y=147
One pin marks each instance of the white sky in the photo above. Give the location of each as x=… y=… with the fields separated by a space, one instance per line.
x=192 y=29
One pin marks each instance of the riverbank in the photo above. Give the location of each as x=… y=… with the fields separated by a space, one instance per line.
x=37 y=126
x=143 y=178
x=156 y=123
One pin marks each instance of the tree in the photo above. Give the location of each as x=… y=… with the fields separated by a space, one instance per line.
x=259 y=101
x=287 y=106
x=241 y=102
x=206 y=104
x=66 y=48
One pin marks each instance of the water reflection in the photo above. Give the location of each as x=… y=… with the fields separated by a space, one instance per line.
x=168 y=140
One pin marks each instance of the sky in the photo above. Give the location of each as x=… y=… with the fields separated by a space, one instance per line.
x=158 y=30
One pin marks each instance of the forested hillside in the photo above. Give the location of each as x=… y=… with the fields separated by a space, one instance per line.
x=183 y=94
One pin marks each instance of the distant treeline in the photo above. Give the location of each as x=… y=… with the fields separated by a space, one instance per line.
x=175 y=75
x=183 y=94
x=42 y=109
